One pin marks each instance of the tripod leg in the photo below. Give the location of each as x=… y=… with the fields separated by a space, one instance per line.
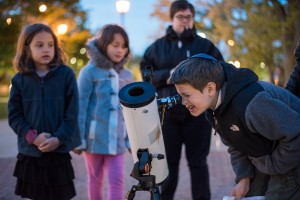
x=131 y=193
x=155 y=193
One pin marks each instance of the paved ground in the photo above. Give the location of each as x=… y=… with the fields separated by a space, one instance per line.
x=221 y=175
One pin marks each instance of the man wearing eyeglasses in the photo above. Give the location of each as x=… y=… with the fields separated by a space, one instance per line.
x=179 y=126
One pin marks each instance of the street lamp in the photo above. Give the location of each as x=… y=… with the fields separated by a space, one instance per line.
x=122 y=7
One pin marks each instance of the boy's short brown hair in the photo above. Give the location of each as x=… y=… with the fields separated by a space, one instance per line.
x=198 y=72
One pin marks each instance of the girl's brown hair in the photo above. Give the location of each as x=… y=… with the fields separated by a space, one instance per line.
x=106 y=36
x=22 y=61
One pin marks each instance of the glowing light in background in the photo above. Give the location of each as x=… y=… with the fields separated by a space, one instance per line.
x=82 y=50
x=122 y=6
x=62 y=29
x=73 y=60
x=42 y=8
x=8 y=21
x=230 y=43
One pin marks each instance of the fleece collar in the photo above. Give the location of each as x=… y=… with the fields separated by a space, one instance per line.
x=100 y=60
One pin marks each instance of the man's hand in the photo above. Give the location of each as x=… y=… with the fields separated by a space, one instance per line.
x=49 y=145
x=241 y=189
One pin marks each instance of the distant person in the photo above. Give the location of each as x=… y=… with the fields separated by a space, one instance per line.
x=43 y=111
x=179 y=127
x=293 y=85
x=102 y=128
x=257 y=120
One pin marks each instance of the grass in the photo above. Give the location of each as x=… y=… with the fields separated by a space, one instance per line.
x=3 y=107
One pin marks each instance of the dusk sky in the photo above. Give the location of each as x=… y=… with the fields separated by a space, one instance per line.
x=140 y=26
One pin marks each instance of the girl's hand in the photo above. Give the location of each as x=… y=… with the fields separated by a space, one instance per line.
x=241 y=189
x=78 y=151
x=49 y=145
x=40 y=138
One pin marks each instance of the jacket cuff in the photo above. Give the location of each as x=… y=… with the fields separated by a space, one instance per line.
x=82 y=146
x=30 y=136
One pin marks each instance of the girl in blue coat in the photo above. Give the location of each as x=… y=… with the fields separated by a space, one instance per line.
x=101 y=123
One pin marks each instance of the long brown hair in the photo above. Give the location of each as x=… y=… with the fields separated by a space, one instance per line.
x=23 y=61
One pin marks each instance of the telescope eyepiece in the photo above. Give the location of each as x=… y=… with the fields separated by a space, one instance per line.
x=169 y=101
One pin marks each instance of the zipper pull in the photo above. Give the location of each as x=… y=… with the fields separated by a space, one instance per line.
x=179 y=44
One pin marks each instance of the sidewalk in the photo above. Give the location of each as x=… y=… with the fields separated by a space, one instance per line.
x=221 y=174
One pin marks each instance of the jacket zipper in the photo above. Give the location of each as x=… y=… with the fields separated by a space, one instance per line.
x=216 y=123
x=43 y=102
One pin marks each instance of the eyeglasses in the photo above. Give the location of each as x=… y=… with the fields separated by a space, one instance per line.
x=182 y=17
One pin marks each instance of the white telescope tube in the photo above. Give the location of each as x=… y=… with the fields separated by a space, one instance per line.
x=140 y=111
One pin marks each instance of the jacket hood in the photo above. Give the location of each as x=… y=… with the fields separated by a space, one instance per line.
x=100 y=60
x=187 y=35
x=236 y=80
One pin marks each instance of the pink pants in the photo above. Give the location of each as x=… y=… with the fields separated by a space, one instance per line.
x=100 y=165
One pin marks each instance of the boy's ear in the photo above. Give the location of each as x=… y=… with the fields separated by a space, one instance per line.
x=211 y=88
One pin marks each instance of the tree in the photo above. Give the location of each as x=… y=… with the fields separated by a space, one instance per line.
x=15 y=14
x=264 y=32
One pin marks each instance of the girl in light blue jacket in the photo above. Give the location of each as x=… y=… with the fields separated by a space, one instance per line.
x=101 y=124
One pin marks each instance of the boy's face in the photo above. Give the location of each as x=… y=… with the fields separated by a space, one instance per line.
x=194 y=100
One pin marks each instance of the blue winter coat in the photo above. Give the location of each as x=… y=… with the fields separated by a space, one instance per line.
x=101 y=123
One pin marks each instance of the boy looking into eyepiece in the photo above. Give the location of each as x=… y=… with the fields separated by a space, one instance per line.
x=258 y=121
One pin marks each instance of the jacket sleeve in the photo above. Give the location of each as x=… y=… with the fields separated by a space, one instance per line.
x=293 y=84
x=160 y=73
x=16 y=118
x=85 y=87
x=278 y=122
x=241 y=164
x=68 y=127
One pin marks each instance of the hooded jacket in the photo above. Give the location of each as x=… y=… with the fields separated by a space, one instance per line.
x=293 y=85
x=269 y=115
x=167 y=52
x=47 y=105
x=101 y=124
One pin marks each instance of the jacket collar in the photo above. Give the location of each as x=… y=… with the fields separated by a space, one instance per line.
x=187 y=35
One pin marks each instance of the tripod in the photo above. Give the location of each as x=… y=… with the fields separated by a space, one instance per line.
x=146 y=182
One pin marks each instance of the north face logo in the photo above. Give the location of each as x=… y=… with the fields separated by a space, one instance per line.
x=235 y=128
